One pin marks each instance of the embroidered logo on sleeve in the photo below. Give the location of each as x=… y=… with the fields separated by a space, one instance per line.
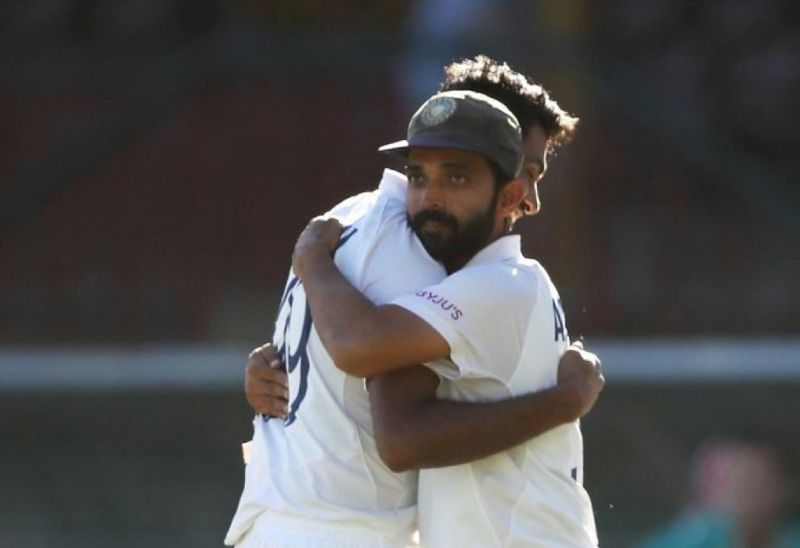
x=443 y=303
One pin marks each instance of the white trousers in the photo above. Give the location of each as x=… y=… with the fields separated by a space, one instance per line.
x=280 y=532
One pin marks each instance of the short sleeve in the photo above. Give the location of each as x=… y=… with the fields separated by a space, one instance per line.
x=483 y=313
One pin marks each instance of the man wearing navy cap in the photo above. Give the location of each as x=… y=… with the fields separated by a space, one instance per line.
x=481 y=126
x=492 y=329
x=315 y=478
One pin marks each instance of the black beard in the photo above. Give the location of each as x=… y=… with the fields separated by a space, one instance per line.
x=454 y=251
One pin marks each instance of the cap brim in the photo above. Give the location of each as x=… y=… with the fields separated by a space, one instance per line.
x=398 y=148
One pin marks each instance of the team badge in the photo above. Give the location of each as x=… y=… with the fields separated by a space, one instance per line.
x=438 y=110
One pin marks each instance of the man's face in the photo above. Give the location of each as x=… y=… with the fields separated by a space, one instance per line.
x=451 y=203
x=534 y=167
x=535 y=149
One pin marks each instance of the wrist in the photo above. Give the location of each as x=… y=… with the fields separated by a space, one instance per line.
x=570 y=402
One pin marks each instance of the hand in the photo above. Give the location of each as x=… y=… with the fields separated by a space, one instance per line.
x=581 y=372
x=265 y=382
x=321 y=235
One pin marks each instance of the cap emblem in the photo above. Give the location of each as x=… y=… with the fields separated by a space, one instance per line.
x=438 y=110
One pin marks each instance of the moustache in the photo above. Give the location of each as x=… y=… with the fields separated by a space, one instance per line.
x=434 y=215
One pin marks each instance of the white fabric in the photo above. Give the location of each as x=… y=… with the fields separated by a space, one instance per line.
x=319 y=470
x=316 y=479
x=279 y=531
x=503 y=320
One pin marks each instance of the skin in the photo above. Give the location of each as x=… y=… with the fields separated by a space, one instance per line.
x=266 y=385
x=456 y=185
x=387 y=342
x=414 y=429
x=533 y=169
x=367 y=340
x=408 y=419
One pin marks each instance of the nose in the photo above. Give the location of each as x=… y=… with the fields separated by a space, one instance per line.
x=432 y=197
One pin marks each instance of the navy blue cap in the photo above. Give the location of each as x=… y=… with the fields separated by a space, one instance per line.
x=465 y=120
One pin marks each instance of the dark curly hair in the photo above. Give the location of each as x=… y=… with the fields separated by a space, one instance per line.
x=529 y=102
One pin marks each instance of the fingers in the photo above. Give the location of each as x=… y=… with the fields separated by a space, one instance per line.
x=597 y=365
x=270 y=382
x=266 y=383
x=588 y=357
x=270 y=407
x=268 y=355
x=328 y=222
x=327 y=229
x=260 y=373
x=267 y=398
x=271 y=361
x=264 y=363
x=320 y=235
x=580 y=366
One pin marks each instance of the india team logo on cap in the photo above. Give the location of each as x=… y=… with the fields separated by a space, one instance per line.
x=437 y=111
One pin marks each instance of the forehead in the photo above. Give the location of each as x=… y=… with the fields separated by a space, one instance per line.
x=535 y=145
x=446 y=157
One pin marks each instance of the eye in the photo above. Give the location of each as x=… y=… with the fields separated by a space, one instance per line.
x=415 y=178
x=458 y=179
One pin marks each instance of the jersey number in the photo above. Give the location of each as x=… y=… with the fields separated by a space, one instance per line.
x=293 y=328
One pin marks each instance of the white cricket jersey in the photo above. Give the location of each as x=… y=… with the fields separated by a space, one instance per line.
x=317 y=475
x=503 y=320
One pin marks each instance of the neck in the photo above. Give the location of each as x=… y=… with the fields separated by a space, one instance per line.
x=456 y=264
x=502 y=225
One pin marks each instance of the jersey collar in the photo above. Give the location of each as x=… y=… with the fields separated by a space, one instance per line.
x=394 y=184
x=505 y=248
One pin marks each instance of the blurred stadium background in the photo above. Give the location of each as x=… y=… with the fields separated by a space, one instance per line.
x=159 y=157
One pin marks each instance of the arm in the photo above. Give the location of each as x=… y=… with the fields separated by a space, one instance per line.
x=414 y=429
x=363 y=339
